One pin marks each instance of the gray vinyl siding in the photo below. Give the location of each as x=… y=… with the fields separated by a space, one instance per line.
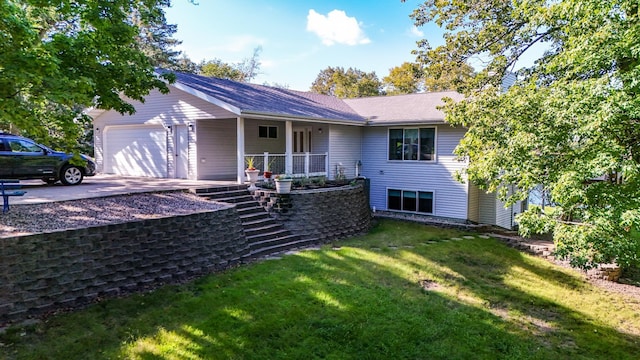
x=345 y=147
x=174 y=108
x=503 y=215
x=256 y=145
x=320 y=141
x=473 y=210
x=486 y=208
x=216 y=142
x=450 y=196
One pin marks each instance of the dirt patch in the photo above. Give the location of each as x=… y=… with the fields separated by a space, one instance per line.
x=429 y=285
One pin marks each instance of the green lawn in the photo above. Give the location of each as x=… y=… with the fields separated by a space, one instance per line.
x=402 y=292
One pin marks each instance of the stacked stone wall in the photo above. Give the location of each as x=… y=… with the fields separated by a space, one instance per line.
x=326 y=214
x=45 y=272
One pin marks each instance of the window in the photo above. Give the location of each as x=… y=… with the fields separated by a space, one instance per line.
x=412 y=144
x=24 y=146
x=268 y=132
x=407 y=200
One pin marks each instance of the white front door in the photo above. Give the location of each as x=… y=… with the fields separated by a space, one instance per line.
x=182 y=152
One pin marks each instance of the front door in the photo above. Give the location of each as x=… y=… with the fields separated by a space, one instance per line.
x=301 y=140
x=182 y=152
x=301 y=145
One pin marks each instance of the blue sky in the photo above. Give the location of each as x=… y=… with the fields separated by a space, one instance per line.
x=301 y=38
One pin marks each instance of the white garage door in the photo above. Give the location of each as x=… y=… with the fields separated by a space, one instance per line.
x=135 y=151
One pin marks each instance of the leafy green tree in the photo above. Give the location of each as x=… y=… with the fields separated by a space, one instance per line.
x=244 y=71
x=442 y=74
x=184 y=64
x=404 y=79
x=571 y=122
x=351 y=83
x=60 y=57
x=219 y=69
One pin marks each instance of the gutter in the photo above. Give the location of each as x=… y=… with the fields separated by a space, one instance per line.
x=275 y=116
x=405 y=122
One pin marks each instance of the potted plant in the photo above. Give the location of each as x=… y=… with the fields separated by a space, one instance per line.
x=267 y=169
x=283 y=184
x=252 y=173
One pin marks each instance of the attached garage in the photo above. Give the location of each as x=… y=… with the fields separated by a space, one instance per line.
x=139 y=150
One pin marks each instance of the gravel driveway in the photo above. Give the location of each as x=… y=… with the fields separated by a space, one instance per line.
x=35 y=218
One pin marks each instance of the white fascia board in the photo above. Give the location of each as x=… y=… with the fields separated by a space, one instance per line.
x=270 y=116
x=93 y=112
x=406 y=122
x=207 y=98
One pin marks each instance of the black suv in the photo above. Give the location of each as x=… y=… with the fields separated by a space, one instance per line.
x=22 y=158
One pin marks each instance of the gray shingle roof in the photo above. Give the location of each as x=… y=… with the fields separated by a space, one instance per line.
x=258 y=99
x=253 y=99
x=412 y=108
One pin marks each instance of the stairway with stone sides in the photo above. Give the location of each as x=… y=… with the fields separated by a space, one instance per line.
x=265 y=235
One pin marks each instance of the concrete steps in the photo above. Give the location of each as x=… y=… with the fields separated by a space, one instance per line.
x=264 y=234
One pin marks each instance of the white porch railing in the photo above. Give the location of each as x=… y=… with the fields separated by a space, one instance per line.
x=304 y=165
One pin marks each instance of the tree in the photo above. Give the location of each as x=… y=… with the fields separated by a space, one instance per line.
x=219 y=69
x=444 y=73
x=244 y=71
x=571 y=122
x=351 y=83
x=250 y=67
x=156 y=40
x=404 y=79
x=59 y=57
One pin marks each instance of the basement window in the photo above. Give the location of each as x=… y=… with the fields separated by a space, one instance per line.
x=408 y=200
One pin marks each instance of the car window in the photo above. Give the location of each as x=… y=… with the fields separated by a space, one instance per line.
x=4 y=147
x=23 y=146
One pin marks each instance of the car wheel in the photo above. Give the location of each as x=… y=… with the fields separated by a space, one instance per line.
x=71 y=175
x=49 y=181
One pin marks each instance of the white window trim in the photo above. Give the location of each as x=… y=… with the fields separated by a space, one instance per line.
x=435 y=144
x=433 y=205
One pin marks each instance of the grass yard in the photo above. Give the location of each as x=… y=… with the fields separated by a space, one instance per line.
x=404 y=291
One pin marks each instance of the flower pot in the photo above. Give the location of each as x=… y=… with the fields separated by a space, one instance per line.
x=283 y=186
x=267 y=174
x=252 y=176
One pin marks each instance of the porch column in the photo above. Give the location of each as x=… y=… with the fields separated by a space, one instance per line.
x=240 y=149
x=288 y=129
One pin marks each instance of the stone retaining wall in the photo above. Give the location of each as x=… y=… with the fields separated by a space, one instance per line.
x=326 y=214
x=45 y=272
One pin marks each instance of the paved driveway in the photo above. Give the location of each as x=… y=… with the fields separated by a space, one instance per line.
x=103 y=185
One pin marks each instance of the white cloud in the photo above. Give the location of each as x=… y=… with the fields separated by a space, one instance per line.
x=336 y=28
x=416 y=32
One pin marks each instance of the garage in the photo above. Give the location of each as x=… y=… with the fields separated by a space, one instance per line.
x=135 y=151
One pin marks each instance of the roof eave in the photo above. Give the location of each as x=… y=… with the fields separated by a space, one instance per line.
x=205 y=97
x=406 y=122
x=275 y=116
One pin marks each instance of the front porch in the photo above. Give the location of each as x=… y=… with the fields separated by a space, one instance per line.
x=295 y=165
x=301 y=152
x=219 y=148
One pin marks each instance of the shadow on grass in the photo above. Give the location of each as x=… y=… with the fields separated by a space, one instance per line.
x=352 y=303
